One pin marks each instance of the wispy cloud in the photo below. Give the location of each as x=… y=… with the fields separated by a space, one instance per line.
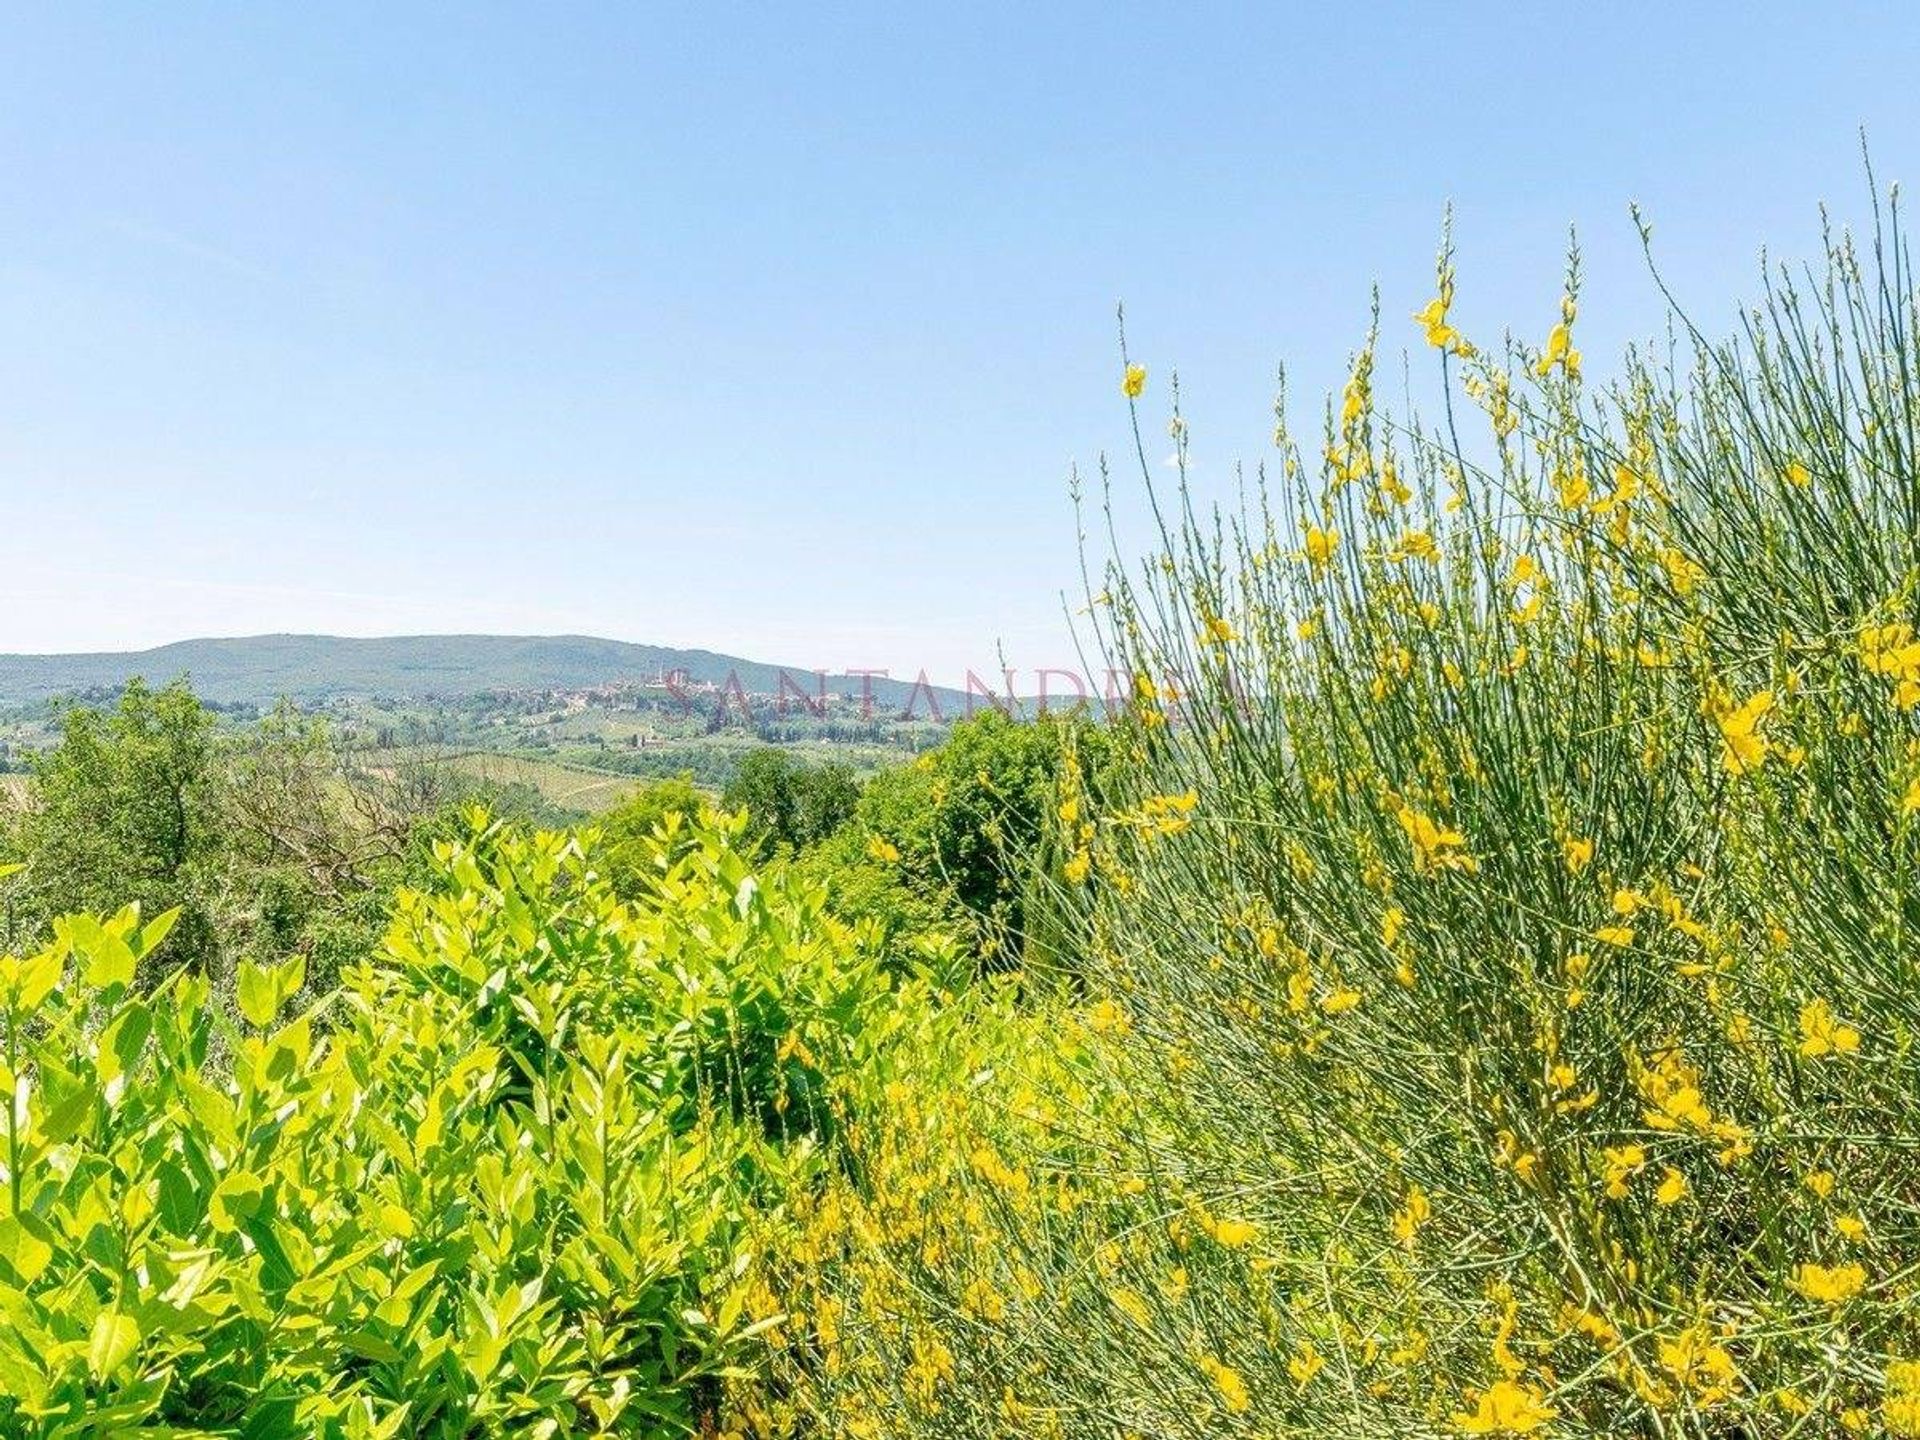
x=187 y=246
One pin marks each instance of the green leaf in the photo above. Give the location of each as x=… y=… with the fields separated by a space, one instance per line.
x=122 y=1040
x=115 y=1338
x=180 y=1205
x=109 y=959
x=24 y=1246
x=39 y=975
x=263 y=990
x=255 y=991
x=235 y=1199
x=156 y=930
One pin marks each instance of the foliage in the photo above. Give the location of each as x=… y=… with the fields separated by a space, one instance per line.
x=1502 y=983
x=514 y=1185
x=122 y=812
x=633 y=835
x=956 y=840
x=792 y=805
x=269 y=840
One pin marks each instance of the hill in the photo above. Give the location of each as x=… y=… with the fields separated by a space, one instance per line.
x=262 y=669
x=308 y=668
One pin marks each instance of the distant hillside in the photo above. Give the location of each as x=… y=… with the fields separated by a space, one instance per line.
x=307 y=668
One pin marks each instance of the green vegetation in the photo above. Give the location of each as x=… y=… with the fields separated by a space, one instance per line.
x=471 y=1191
x=1470 y=989
x=792 y=805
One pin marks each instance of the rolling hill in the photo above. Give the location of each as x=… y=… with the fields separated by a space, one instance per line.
x=307 y=668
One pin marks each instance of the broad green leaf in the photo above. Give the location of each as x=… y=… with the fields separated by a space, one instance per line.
x=115 y=1338
x=39 y=974
x=156 y=930
x=24 y=1245
x=262 y=989
x=254 y=989
x=180 y=1207
x=235 y=1199
x=122 y=1040
x=109 y=959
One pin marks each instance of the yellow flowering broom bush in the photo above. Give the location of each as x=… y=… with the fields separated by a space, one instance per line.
x=1500 y=992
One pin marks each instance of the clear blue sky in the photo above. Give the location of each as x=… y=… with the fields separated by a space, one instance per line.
x=775 y=330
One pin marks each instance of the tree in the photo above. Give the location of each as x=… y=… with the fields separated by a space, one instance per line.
x=792 y=805
x=122 y=812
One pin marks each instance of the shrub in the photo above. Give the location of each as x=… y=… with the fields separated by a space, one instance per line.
x=515 y=1185
x=960 y=840
x=1503 y=939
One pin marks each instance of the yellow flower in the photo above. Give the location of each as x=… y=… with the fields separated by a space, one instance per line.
x=1508 y=1407
x=1798 y=475
x=1132 y=1304
x=1226 y=1379
x=1413 y=1213
x=1745 y=749
x=1435 y=848
x=1304 y=1366
x=1579 y=854
x=1340 y=1001
x=1622 y=1163
x=1418 y=544
x=1901 y=1409
x=1108 y=1018
x=1673 y=1087
x=1077 y=869
x=1440 y=334
x=1831 y=1285
x=985 y=1302
x=1821 y=1034
x=1851 y=1227
x=1704 y=1367
x=1891 y=650
x=1391 y=924
x=1820 y=1182
x=1683 y=572
x=1232 y=1233
x=1559 y=351
x=1673 y=1188
x=1135 y=383
x=1614 y=935
x=1219 y=632
x=1320 y=546
x=1573 y=488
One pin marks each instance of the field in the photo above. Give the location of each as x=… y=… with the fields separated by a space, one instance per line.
x=562 y=785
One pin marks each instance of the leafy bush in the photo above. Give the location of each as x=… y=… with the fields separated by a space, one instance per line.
x=960 y=840
x=513 y=1185
x=633 y=834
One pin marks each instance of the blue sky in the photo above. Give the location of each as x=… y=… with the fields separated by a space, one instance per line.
x=775 y=330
